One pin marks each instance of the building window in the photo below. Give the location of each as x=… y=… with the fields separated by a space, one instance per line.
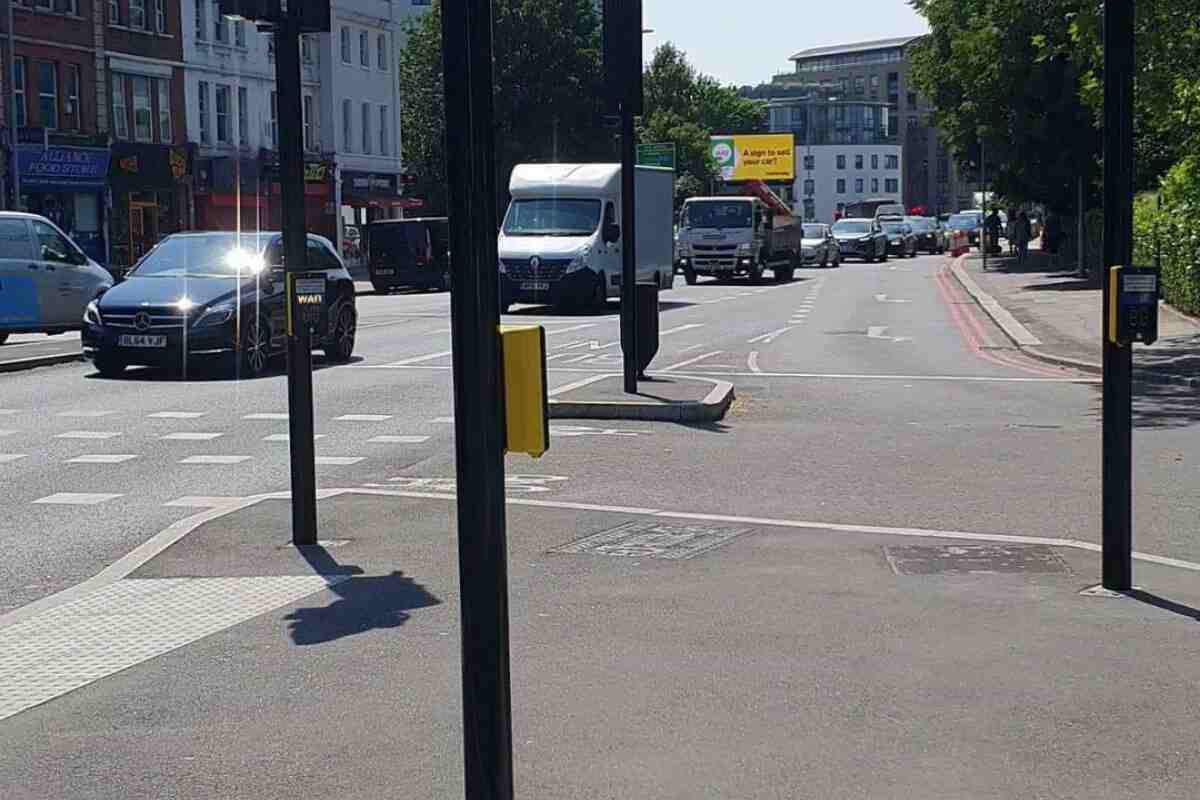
x=72 y=110
x=165 y=134
x=810 y=209
x=114 y=12
x=48 y=94
x=310 y=141
x=810 y=187
x=891 y=185
x=239 y=33
x=243 y=116
x=809 y=162
x=347 y=126
x=202 y=20
x=223 y=131
x=841 y=185
x=874 y=86
x=858 y=160
x=137 y=14
x=120 y=110
x=364 y=49
x=62 y=6
x=858 y=185
x=19 y=91
x=844 y=86
x=345 y=45
x=914 y=122
x=220 y=28
x=271 y=46
x=911 y=97
x=874 y=185
x=366 y=127
x=381 y=51
x=203 y=115
x=874 y=161
x=306 y=52
x=160 y=16
x=275 y=122
x=143 y=127
x=385 y=143
x=891 y=162
x=860 y=87
x=841 y=162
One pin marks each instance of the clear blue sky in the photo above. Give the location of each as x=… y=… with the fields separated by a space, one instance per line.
x=747 y=42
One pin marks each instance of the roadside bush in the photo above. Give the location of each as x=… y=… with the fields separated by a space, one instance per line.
x=1174 y=232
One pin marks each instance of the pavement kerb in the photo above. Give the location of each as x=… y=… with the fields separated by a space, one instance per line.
x=18 y=364
x=1029 y=344
x=156 y=544
x=711 y=409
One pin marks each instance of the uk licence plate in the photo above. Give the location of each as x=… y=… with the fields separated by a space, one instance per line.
x=141 y=340
x=535 y=286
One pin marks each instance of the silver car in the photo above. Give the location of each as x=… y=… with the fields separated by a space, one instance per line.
x=819 y=247
x=46 y=281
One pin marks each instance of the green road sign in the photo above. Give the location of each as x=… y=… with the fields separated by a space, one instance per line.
x=657 y=154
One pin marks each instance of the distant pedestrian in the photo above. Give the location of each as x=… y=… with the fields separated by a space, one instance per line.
x=1022 y=234
x=1010 y=231
x=1050 y=237
x=991 y=227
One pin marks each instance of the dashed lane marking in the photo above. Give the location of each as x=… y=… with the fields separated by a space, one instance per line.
x=752 y=361
x=88 y=435
x=76 y=499
x=363 y=418
x=7 y=432
x=6 y=412
x=265 y=416
x=767 y=338
x=394 y=439
x=177 y=414
x=103 y=458
x=338 y=461
x=8 y=458
x=215 y=460
x=691 y=361
x=84 y=414
x=193 y=436
x=202 y=501
x=418 y=359
x=284 y=437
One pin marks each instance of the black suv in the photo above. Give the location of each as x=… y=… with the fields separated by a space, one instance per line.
x=408 y=253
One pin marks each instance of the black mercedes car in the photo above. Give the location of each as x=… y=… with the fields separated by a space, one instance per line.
x=902 y=242
x=213 y=295
x=861 y=238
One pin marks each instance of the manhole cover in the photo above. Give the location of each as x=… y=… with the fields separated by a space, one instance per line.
x=653 y=540
x=974 y=559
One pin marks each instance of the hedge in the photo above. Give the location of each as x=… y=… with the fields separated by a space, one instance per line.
x=1173 y=231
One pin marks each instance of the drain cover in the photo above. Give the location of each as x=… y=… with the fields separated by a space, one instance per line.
x=974 y=559
x=653 y=540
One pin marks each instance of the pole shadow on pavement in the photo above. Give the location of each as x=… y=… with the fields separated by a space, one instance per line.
x=363 y=604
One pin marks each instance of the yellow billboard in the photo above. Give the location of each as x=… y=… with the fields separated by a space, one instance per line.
x=762 y=157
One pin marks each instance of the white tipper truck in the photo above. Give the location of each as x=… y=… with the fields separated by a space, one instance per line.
x=560 y=242
x=730 y=235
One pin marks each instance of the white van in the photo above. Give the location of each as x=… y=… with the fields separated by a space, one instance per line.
x=561 y=239
x=46 y=281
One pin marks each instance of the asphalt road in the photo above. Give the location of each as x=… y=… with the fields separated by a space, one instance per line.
x=869 y=395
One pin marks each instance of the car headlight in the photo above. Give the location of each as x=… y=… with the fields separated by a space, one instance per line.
x=745 y=249
x=580 y=260
x=91 y=314
x=215 y=315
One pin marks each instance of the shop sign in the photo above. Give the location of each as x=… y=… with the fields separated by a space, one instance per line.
x=149 y=164
x=79 y=167
x=361 y=184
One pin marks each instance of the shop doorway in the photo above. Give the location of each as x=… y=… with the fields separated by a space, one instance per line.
x=143 y=227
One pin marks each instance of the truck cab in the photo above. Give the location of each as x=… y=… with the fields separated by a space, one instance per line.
x=731 y=235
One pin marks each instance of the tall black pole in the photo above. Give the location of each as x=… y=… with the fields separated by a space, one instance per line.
x=1117 y=478
x=628 y=250
x=295 y=238
x=478 y=399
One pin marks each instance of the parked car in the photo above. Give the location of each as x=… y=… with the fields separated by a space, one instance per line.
x=819 y=246
x=930 y=236
x=860 y=238
x=214 y=295
x=968 y=221
x=409 y=252
x=46 y=281
x=902 y=242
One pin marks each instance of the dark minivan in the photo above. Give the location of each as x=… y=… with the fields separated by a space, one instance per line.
x=409 y=253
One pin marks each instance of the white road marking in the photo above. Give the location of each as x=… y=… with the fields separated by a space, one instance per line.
x=880 y=332
x=7 y=432
x=8 y=458
x=88 y=435
x=85 y=414
x=214 y=459
x=265 y=416
x=579 y=384
x=571 y=328
x=767 y=338
x=752 y=361
x=5 y=412
x=177 y=415
x=692 y=360
x=284 y=437
x=867 y=377
x=191 y=437
x=883 y=298
x=363 y=418
x=103 y=458
x=202 y=501
x=419 y=359
x=691 y=347
x=76 y=499
x=442 y=420
x=338 y=461
x=397 y=439
x=587 y=430
x=679 y=328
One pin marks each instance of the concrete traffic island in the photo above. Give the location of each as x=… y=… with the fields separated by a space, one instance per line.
x=660 y=398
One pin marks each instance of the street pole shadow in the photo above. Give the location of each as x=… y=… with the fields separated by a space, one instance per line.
x=1163 y=603
x=363 y=603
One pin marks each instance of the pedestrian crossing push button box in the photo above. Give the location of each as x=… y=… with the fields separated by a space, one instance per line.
x=1133 y=305
x=307 y=302
x=526 y=401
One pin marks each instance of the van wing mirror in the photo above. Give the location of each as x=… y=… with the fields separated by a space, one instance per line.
x=612 y=233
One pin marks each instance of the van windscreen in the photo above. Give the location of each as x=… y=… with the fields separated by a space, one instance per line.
x=552 y=216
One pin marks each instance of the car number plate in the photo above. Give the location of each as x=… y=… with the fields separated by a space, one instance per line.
x=535 y=286
x=385 y=272
x=140 y=340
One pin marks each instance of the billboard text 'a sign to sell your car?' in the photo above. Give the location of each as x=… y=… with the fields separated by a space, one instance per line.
x=763 y=157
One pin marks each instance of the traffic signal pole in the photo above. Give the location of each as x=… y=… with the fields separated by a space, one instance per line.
x=628 y=251
x=1117 y=470
x=478 y=399
x=295 y=247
